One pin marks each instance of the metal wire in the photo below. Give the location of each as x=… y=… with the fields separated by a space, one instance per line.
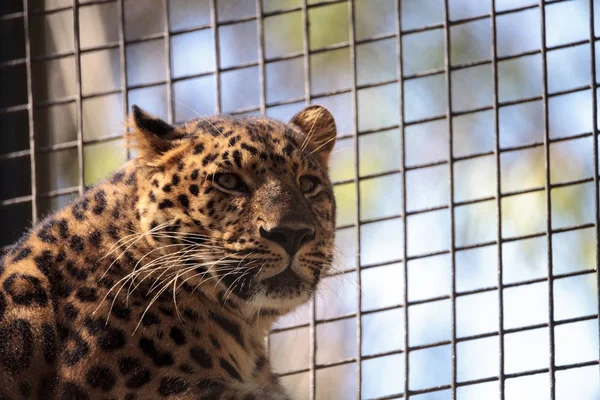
x=169 y=74
x=214 y=24
x=548 y=188
x=311 y=95
x=123 y=64
x=448 y=76
x=78 y=96
x=357 y=208
x=30 y=118
x=401 y=87
x=498 y=198
x=312 y=358
x=261 y=57
x=595 y=153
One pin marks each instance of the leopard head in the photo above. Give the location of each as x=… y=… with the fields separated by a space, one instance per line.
x=241 y=205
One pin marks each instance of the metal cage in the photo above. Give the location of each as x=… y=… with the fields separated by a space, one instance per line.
x=466 y=168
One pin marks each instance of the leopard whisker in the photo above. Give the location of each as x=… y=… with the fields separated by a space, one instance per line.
x=181 y=266
x=135 y=267
x=200 y=116
x=134 y=234
x=239 y=262
x=212 y=264
x=124 y=251
x=161 y=259
x=120 y=284
x=178 y=270
x=321 y=145
x=179 y=315
x=203 y=281
x=311 y=132
x=216 y=263
x=184 y=235
x=158 y=264
x=177 y=255
x=221 y=266
x=256 y=312
x=232 y=286
x=118 y=244
x=152 y=301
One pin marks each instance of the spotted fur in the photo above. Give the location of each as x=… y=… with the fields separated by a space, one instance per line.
x=163 y=280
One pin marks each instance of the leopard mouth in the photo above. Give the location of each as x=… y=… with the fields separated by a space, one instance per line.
x=285 y=284
x=285 y=279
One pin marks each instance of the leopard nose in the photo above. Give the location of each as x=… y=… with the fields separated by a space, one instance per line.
x=290 y=239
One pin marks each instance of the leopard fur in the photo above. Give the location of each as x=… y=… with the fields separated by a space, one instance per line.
x=163 y=280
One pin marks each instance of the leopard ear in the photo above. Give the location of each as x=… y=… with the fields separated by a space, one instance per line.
x=150 y=135
x=318 y=126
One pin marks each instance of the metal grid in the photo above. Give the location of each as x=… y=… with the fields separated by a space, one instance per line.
x=34 y=150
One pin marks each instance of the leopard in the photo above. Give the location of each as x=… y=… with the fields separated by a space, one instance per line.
x=164 y=279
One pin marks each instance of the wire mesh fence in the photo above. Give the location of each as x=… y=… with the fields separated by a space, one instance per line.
x=465 y=171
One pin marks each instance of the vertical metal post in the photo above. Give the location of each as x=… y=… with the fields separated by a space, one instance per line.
x=497 y=156
x=448 y=76
x=595 y=141
x=401 y=127
x=123 y=64
x=313 y=306
x=78 y=100
x=305 y=52
x=261 y=56
x=169 y=74
x=262 y=83
x=352 y=27
x=30 y=115
x=214 y=22
x=548 y=188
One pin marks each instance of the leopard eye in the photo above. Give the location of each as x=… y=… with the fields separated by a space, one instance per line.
x=309 y=185
x=230 y=183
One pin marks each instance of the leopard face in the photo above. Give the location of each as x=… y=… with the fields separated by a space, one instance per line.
x=241 y=207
